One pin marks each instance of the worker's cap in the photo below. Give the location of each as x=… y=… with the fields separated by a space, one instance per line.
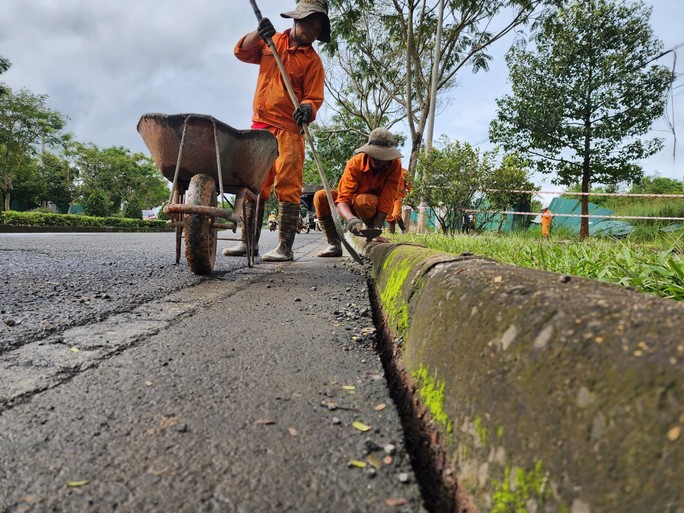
x=381 y=145
x=307 y=8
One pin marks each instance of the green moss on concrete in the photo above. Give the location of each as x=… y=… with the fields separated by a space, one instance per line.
x=392 y=297
x=431 y=393
x=481 y=430
x=528 y=485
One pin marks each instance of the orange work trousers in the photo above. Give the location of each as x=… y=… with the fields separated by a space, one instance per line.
x=364 y=205
x=286 y=175
x=396 y=210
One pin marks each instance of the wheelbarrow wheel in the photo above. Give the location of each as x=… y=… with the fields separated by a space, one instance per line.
x=200 y=235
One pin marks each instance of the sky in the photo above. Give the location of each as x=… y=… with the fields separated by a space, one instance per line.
x=104 y=64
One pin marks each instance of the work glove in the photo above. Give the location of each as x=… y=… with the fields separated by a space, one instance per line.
x=302 y=114
x=354 y=225
x=266 y=30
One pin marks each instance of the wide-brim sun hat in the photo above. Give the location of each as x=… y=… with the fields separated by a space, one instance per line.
x=381 y=145
x=307 y=8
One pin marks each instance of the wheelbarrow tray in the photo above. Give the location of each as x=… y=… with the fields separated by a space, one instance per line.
x=245 y=156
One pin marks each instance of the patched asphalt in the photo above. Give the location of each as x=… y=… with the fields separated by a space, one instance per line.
x=130 y=384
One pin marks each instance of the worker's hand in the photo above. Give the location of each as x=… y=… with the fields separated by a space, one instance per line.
x=302 y=114
x=266 y=29
x=354 y=225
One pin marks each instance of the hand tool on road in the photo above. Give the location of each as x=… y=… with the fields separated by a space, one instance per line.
x=369 y=233
x=295 y=102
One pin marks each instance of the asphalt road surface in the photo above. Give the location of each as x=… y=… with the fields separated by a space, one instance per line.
x=129 y=384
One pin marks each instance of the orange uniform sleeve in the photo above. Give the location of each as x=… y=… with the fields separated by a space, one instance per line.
x=272 y=104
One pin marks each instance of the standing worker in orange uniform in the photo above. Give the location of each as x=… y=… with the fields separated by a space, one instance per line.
x=273 y=111
x=394 y=217
x=366 y=190
x=546 y=217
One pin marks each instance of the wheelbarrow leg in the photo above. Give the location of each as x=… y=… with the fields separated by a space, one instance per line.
x=176 y=219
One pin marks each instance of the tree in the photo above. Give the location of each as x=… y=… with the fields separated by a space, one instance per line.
x=580 y=103
x=504 y=185
x=457 y=173
x=5 y=64
x=25 y=122
x=119 y=176
x=656 y=185
x=45 y=178
x=391 y=43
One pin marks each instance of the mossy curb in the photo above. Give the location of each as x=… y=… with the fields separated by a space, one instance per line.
x=563 y=394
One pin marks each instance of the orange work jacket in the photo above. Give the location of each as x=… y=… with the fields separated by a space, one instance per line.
x=272 y=104
x=358 y=178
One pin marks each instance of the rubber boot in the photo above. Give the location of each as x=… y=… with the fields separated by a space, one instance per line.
x=288 y=222
x=241 y=248
x=334 y=248
x=401 y=224
x=391 y=225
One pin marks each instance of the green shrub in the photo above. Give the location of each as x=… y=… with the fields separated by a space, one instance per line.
x=98 y=204
x=13 y=218
x=133 y=209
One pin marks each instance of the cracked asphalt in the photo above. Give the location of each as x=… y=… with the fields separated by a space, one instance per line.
x=129 y=384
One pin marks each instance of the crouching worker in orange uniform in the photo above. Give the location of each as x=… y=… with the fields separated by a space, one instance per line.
x=365 y=194
x=546 y=217
x=395 y=216
x=273 y=111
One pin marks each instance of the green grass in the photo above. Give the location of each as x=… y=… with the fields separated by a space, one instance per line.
x=653 y=264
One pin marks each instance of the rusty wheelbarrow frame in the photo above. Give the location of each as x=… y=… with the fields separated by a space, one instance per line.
x=196 y=152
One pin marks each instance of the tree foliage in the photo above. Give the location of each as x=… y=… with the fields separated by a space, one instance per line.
x=455 y=177
x=505 y=185
x=5 y=64
x=120 y=176
x=448 y=179
x=26 y=123
x=386 y=49
x=47 y=177
x=583 y=99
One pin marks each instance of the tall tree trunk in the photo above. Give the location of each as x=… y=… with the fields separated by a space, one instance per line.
x=586 y=174
x=584 y=223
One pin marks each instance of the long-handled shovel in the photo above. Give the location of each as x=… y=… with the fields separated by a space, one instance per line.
x=305 y=127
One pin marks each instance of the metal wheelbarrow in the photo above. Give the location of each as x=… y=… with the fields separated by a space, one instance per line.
x=199 y=154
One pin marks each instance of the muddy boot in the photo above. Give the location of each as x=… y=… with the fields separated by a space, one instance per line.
x=334 y=248
x=241 y=248
x=391 y=225
x=288 y=221
x=401 y=224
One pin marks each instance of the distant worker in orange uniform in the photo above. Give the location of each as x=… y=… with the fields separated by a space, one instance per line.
x=546 y=216
x=273 y=111
x=394 y=218
x=366 y=192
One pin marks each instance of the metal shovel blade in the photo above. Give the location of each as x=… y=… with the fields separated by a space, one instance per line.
x=369 y=233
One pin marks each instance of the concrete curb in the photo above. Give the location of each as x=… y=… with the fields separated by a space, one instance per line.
x=550 y=393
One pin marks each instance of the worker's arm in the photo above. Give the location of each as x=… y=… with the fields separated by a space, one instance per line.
x=354 y=224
